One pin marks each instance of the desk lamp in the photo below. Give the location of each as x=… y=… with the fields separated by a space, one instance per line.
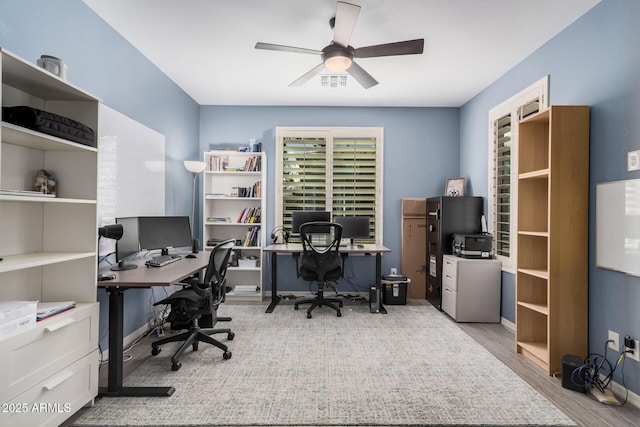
x=115 y=232
x=195 y=168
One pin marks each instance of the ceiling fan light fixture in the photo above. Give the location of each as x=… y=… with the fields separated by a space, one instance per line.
x=337 y=58
x=337 y=63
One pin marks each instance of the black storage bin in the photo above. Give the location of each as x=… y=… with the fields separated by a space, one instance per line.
x=394 y=289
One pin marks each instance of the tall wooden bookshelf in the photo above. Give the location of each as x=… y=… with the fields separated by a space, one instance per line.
x=48 y=247
x=234 y=207
x=552 y=253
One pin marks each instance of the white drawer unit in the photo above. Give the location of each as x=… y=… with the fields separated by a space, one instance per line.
x=471 y=289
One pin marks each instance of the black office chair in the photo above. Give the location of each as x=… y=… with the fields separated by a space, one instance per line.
x=197 y=302
x=321 y=261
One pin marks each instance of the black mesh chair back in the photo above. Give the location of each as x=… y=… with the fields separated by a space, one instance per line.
x=321 y=261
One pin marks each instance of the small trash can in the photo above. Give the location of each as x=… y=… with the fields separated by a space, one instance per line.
x=394 y=289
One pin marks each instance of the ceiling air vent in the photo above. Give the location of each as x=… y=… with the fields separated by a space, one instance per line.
x=339 y=80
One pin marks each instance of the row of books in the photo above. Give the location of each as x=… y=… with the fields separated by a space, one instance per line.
x=252 y=237
x=253 y=164
x=254 y=190
x=250 y=215
x=221 y=164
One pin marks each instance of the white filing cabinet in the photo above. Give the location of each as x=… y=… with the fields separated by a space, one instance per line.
x=471 y=289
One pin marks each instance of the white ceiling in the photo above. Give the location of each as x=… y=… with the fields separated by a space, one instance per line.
x=207 y=46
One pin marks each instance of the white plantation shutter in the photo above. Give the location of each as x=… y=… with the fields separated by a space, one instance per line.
x=502 y=185
x=304 y=176
x=503 y=166
x=330 y=169
x=354 y=187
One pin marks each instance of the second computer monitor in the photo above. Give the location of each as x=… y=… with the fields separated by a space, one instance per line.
x=164 y=232
x=353 y=227
x=300 y=217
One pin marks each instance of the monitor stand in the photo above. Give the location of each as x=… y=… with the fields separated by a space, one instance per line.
x=123 y=266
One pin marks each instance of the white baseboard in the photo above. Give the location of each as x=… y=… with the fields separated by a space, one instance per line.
x=620 y=393
x=508 y=324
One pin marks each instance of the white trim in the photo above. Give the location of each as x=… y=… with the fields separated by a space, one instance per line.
x=329 y=133
x=540 y=90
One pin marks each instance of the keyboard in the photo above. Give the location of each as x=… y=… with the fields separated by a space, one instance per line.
x=162 y=260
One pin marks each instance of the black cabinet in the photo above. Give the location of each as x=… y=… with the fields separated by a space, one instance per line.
x=446 y=216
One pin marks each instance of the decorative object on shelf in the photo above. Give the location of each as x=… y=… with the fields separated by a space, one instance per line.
x=195 y=168
x=53 y=65
x=45 y=183
x=455 y=187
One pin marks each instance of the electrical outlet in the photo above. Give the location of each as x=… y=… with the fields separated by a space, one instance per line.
x=394 y=271
x=633 y=160
x=615 y=337
x=636 y=349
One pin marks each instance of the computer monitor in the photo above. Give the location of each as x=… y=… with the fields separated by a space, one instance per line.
x=353 y=227
x=128 y=244
x=164 y=232
x=300 y=217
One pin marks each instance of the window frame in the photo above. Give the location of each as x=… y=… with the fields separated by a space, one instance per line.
x=329 y=134
x=513 y=106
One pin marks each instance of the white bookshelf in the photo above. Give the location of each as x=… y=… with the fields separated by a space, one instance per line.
x=235 y=182
x=49 y=248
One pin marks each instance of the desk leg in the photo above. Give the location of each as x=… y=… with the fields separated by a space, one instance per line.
x=116 y=332
x=379 y=279
x=275 y=299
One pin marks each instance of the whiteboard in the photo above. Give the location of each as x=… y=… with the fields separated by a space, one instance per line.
x=131 y=170
x=618 y=226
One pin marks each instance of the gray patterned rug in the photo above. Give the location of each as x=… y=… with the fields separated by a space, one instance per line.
x=413 y=366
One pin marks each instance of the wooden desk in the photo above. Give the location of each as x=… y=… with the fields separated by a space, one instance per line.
x=141 y=277
x=296 y=249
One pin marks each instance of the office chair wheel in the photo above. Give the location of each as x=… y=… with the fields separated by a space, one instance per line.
x=194 y=346
x=155 y=351
x=295 y=307
x=339 y=314
x=226 y=355
x=231 y=336
x=340 y=304
x=309 y=316
x=176 y=365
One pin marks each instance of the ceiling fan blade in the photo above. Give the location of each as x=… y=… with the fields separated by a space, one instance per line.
x=361 y=76
x=345 y=22
x=309 y=75
x=409 y=47
x=282 y=48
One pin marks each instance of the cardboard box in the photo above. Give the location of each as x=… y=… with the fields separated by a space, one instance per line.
x=414 y=246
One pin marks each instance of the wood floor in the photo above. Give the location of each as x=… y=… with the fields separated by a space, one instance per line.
x=499 y=341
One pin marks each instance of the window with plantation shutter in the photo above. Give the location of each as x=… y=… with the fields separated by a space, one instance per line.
x=330 y=169
x=503 y=166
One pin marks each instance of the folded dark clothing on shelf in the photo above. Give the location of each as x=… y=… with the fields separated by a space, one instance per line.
x=49 y=123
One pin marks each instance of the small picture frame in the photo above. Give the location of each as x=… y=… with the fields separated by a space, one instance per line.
x=455 y=187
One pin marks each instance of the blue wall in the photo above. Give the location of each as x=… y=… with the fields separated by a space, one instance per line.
x=420 y=152
x=596 y=62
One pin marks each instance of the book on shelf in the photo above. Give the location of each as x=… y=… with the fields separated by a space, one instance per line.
x=254 y=190
x=218 y=163
x=218 y=220
x=48 y=309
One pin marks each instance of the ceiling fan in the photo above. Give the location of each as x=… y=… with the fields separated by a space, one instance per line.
x=339 y=55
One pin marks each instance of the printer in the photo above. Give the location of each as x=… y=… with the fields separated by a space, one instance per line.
x=472 y=245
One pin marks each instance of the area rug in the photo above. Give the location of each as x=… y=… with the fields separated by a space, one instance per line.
x=412 y=366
